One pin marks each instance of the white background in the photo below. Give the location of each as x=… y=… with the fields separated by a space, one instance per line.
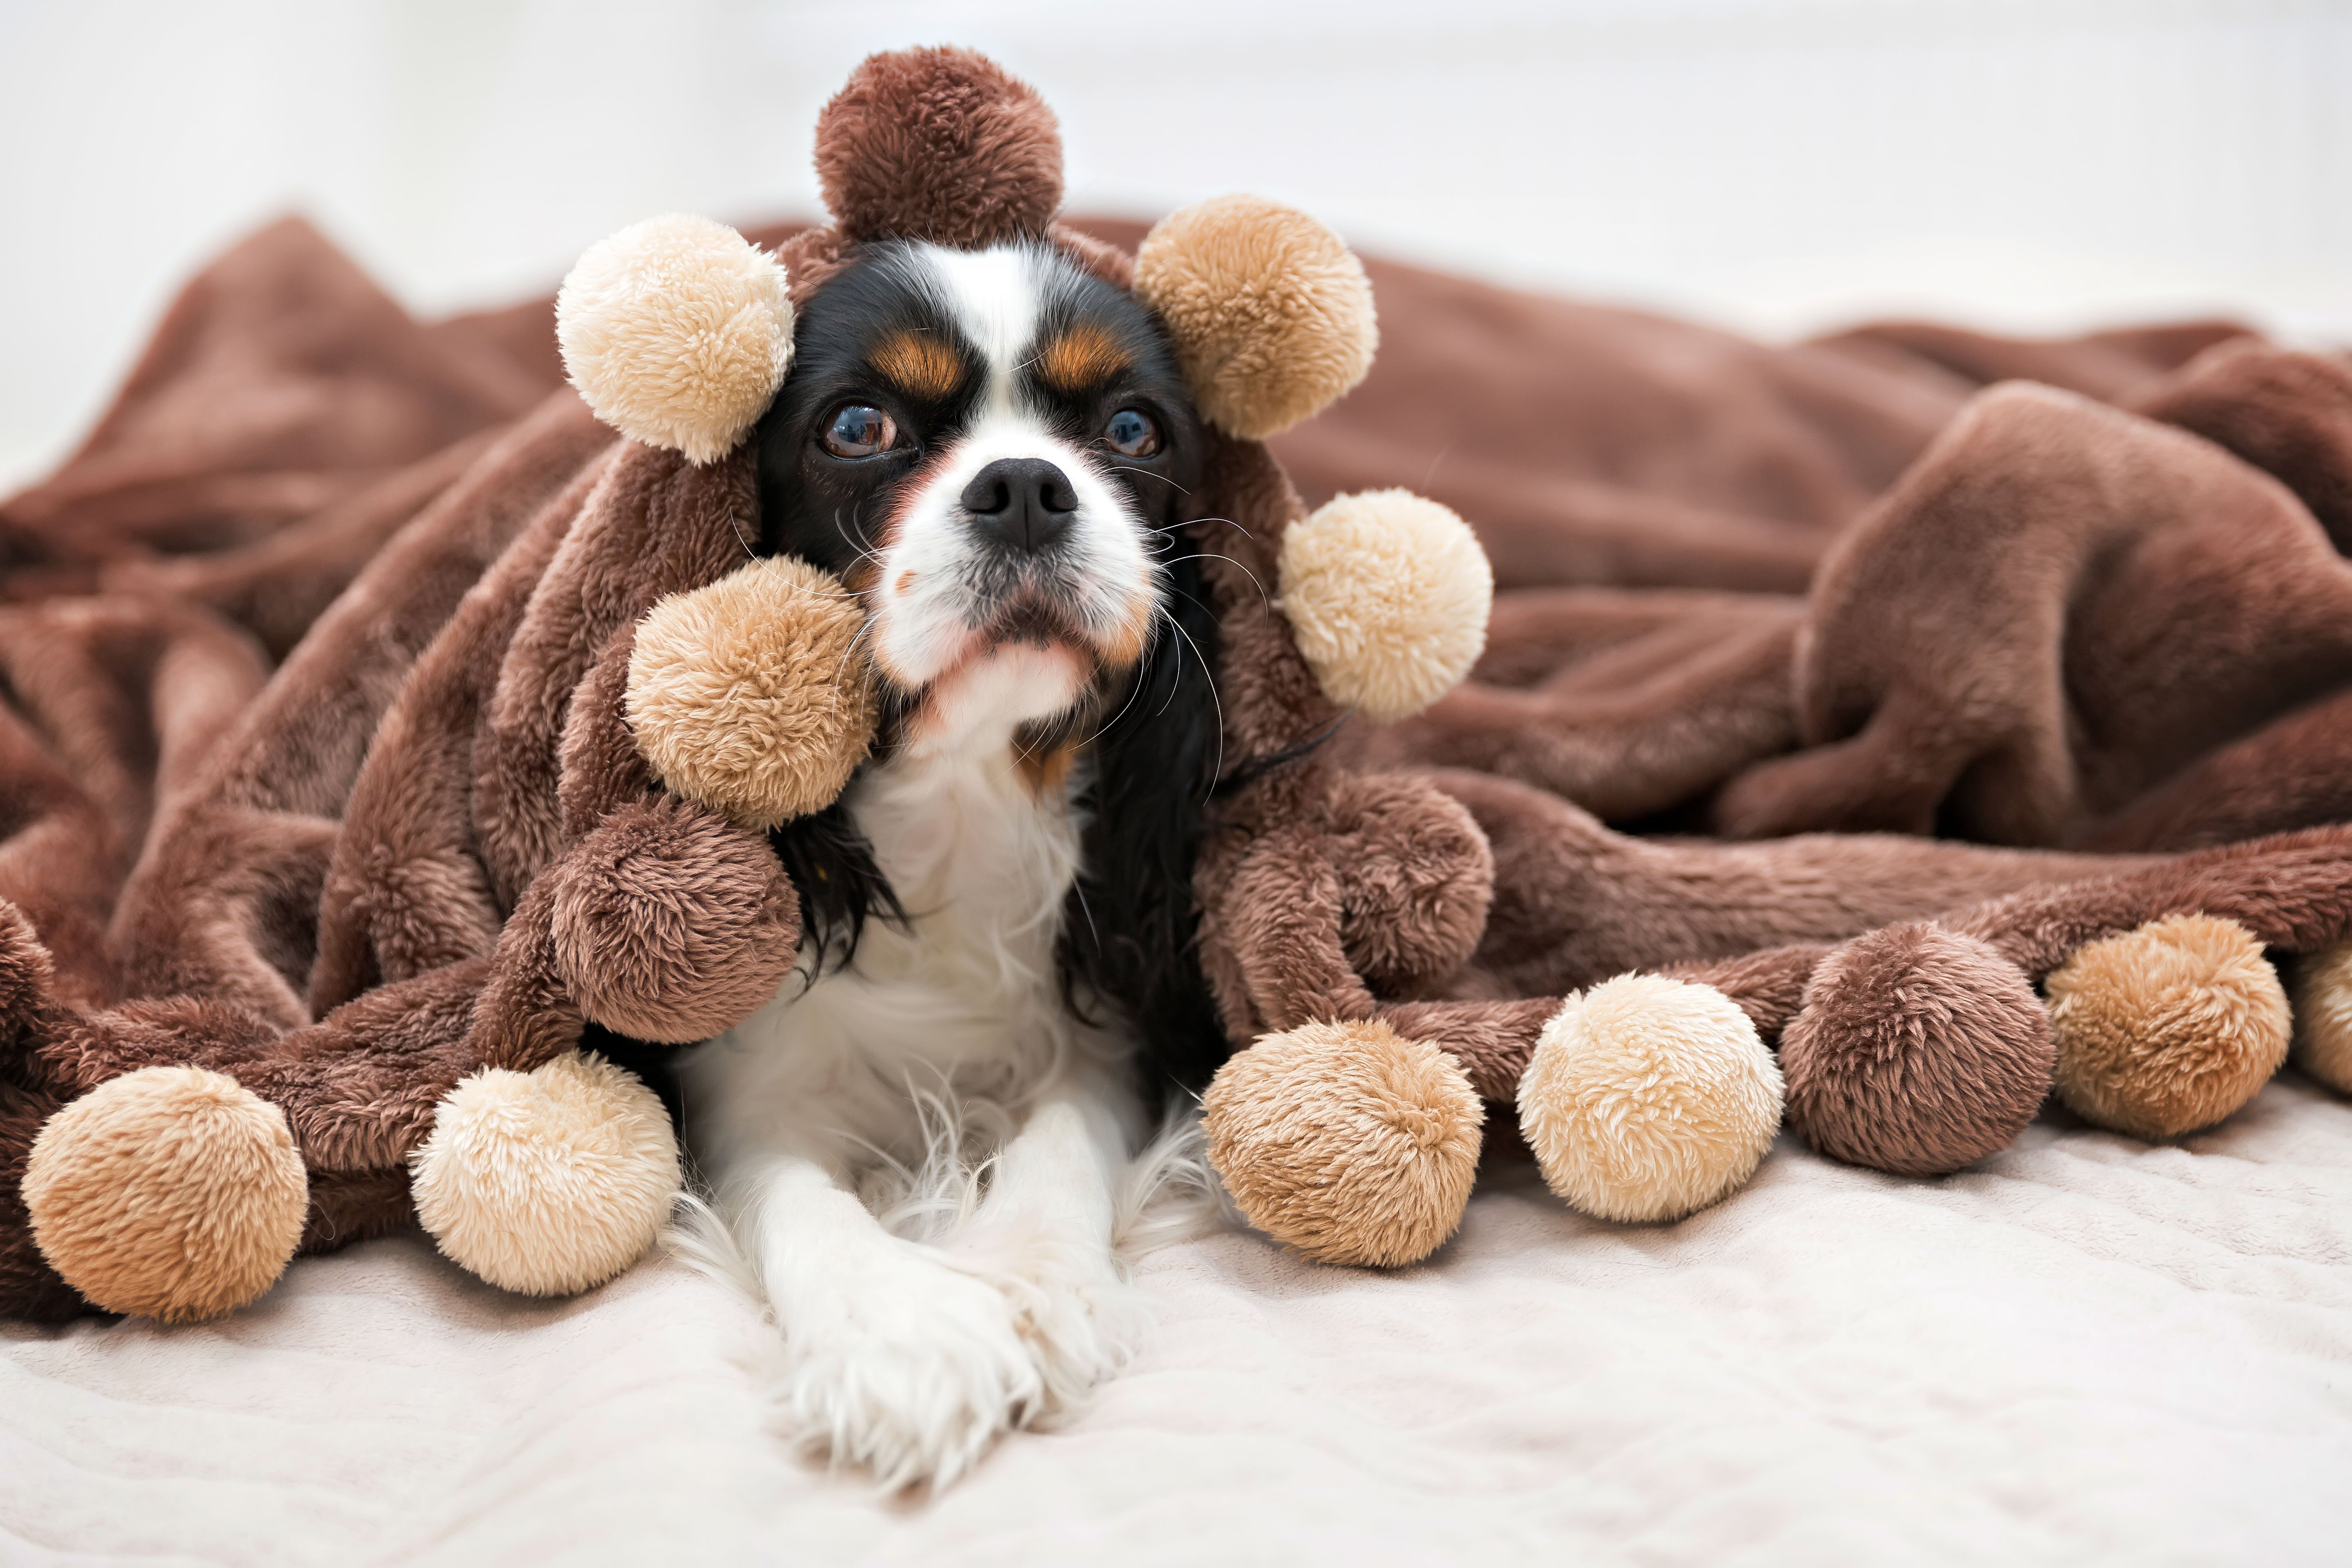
x=1776 y=164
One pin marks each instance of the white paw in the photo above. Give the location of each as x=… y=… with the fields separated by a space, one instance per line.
x=1079 y=1320
x=911 y=1375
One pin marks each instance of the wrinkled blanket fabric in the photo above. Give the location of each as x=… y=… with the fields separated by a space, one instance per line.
x=2085 y=594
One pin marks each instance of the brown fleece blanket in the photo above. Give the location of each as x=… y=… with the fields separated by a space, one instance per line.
x=2106 y=611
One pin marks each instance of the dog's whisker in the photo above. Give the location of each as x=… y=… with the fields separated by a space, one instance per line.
x=1134 y=689
x=1213 y=555
x=1168 y=479
x=1211 y=677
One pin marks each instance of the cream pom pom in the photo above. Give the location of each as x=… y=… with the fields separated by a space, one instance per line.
x=168 y=1192
x=1388 y=594
x=1648 y=1099
x=1271 y=313
x=549 y=1182
x=677 y=330
x=745 y=695
x=1347 y=1141
x=2323 y=1015
x=2167 y=1028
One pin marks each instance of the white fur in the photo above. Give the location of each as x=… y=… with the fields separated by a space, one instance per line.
x=987 y=1293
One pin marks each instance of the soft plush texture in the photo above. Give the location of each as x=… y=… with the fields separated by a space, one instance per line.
x=160 y=1165
x=1648 y=1099
x=2323 y=1015
x=1930 y=1052
x=670 y=925
x=1416 y=880
x=938 y=145
x=745 y=696
x=548 y=1182
x=1389 y=596
x=677 y=332
x=405 y=857
x=1348 y=1141
x=1271 y=312
x=2167 y=1028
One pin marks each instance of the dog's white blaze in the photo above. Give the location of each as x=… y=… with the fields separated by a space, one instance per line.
x=912 y=1357
x=992 y=294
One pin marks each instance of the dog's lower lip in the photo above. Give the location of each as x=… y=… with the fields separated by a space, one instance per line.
x=1030 y=620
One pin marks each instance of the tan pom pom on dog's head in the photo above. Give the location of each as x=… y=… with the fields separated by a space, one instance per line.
x=942 y=146
x=1271 y=312
x=677 y=332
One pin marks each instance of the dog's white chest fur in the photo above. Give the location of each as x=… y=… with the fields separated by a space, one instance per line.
x=962 y=998
x=901 y=1356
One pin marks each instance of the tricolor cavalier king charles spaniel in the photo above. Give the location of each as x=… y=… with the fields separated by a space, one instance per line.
x=993 y=450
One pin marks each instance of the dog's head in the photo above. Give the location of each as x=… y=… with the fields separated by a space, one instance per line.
x=993 y=450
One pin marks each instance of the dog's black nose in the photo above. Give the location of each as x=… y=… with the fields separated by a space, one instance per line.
x=1020 y=504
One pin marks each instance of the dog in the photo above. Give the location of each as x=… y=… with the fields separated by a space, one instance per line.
x=995 y=453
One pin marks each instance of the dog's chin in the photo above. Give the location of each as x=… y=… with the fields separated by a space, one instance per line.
x=980 y=701
x=1029 y=667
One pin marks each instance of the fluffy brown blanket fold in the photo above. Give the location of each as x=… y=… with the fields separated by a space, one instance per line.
x=2084 y=595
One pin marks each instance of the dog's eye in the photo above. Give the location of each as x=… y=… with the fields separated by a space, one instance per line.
x=860 y=430
x=1132 y=433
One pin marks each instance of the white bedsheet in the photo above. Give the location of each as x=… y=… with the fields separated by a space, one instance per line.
x=2090 y=1350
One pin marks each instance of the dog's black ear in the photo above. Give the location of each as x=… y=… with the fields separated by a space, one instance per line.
x=1129 y=932
x=840 y=885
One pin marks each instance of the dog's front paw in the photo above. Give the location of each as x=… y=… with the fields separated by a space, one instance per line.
x=912 y=1381
x=1079 y=1320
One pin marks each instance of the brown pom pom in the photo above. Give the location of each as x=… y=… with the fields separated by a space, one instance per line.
x=938 y=145
x=2167 y=1028
x=672 y=924
x=1918 y=1051
x=1416 y=876
x=1347 y=1142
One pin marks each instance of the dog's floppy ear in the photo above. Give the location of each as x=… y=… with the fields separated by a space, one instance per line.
x=1271 y=312
x=678 y=331
x=938 y=145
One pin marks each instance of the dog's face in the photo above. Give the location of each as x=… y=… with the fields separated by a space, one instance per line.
x=993 y=449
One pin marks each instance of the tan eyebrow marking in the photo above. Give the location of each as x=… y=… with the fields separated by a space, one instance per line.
x=1084 y=356
x=919 y=363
